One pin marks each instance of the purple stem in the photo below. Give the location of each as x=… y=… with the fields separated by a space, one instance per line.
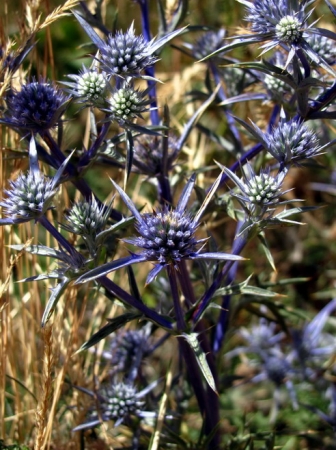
x=80 y=183
x=238 y=246
x=181 y=325
x=92 y=152
x=150 y=71
x=227 y=110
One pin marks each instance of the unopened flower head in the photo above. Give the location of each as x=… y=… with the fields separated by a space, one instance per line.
x=126 y=104
x=257 y=192
x=37 y=107
x=86 y=218
x=89 y=86
x=126 y=54
x=288 y=30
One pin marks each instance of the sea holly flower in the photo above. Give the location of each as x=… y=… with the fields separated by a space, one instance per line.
x=89 y=87
x=290 y=143
x=126 y=104
x=284 y=23
x=117 y=402
x=37 y=107
x=125 y=54
x=258 y=194
x=311 y=344
x=167 y=236
x=31 y=194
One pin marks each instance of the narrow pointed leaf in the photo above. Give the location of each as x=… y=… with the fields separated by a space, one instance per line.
x=267 y=251
x=130 y=205
x=109 y=267
x=56 y=294
x=89 y=30
x=187 y=190
x=200 y=358
x=111 y=327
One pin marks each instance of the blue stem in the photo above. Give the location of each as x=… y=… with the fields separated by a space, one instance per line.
x=150 y=71
x=221 y=326
x=238 y=246
x=227 y=110
x=79 y=183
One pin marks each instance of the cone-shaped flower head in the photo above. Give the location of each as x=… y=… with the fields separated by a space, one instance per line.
x=279 y=18
x=126 y=54
x=30 y=195
x=257 y=193
x=122 y=401
x=289 y=142
x=166 y=236
x=37 y=107
x=292 y=142
x=87 y=218
x=126 y=104
x=89 y=87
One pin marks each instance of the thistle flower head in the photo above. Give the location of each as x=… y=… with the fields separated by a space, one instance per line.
x=281 y=19
x=128 y=348
x=126 y=104
x=148 y=154
x=89 y=87
x=323 y=47
x=292 y=142
x=277 y=369
x=30 y=195
x=37 y=107
x=257 y=193
x=126 y=54
x=86 y=218
x=288 y=29
x=121 y=401
x=207 y=44
x=166 y=236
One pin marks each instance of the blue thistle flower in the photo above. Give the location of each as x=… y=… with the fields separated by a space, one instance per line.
x=289 y=142
x=30 y=195
x=284 y=23
x=125 y=54
x=166 y=237
x=311 y=344
x=117 y=402
x=37 y=107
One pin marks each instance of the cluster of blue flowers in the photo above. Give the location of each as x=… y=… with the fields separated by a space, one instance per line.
x=296 y=79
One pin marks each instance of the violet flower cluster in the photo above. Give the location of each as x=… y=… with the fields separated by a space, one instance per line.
x=174 y=260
